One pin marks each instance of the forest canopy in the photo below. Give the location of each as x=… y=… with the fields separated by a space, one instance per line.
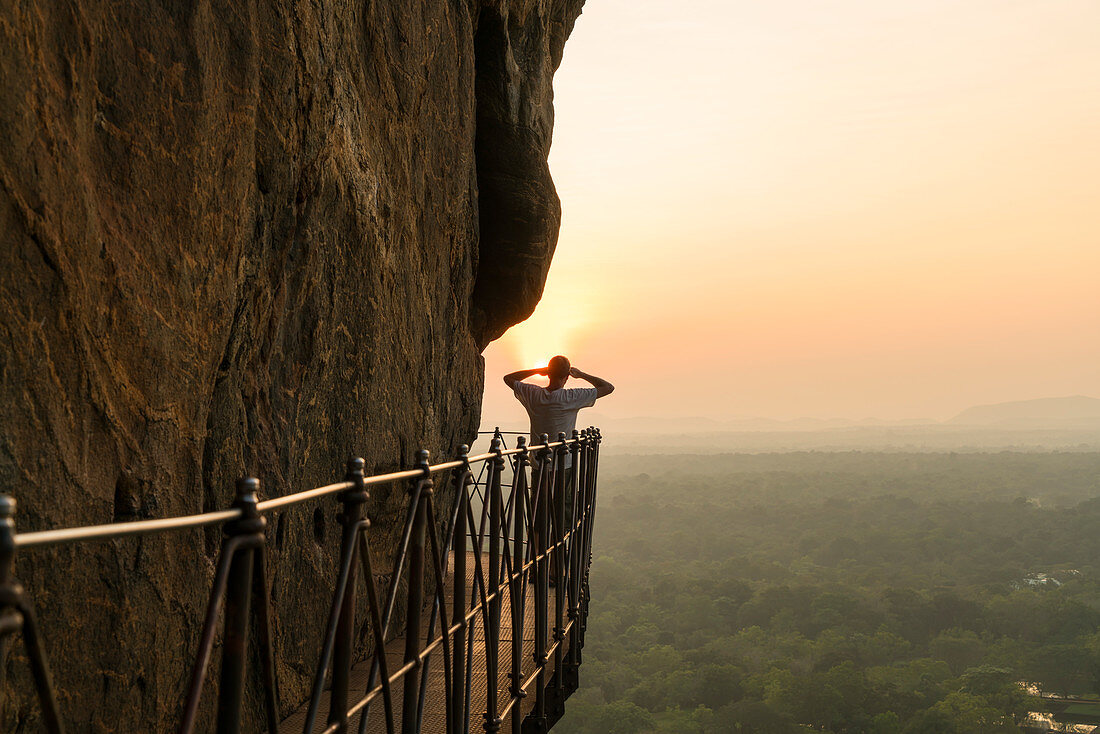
x=839 y=592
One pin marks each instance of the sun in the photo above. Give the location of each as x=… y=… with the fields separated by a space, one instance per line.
x=536 y=340
x=564 y=318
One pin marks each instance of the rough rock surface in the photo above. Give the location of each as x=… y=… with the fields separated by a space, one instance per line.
x=242 y=237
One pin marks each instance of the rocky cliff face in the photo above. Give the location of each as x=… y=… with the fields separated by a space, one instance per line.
x=246 y=238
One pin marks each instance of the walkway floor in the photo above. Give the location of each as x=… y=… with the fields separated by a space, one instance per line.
x=434 y=721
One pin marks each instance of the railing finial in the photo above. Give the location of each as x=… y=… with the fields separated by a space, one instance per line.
x=246 y=499
x=356 y=466
x=352 y=499
x=247 y=489
x=355 y=474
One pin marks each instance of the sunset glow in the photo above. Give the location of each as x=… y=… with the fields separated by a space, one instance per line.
x=803 y=209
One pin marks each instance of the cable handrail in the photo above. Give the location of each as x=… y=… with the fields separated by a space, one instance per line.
x=107 y=531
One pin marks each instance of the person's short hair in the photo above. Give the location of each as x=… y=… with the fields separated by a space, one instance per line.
x=558 y=367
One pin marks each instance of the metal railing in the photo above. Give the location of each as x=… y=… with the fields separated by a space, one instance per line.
x=533 y=530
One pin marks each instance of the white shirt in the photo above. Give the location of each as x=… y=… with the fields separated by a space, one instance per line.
x=553 y=411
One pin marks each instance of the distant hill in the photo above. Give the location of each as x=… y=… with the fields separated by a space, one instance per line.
x=1076 y=411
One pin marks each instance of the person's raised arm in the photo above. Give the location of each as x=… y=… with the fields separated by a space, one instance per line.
x=512 y=378
x=603 y=387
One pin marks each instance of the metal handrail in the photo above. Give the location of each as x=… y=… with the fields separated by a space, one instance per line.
x=38 y=538
x=537 y=529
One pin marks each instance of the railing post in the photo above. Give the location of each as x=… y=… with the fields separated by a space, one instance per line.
x=576 y=547
x=593 y=477
x=11 y=621
x=351 y=514
x=536 y=722
x=239 y=581
x=463 y=477
x=557 y=538
x=492 y=641
x=238 y=597
x=415 y=602
x=17 y=616
x=583 y=545
x=595 y=474
x=518 y=582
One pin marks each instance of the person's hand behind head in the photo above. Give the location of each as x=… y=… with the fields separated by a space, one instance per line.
x=574 y=372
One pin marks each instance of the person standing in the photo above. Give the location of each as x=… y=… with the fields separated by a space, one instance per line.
x=553 y=409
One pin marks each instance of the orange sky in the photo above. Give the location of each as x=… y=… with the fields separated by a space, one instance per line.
x=845 y=209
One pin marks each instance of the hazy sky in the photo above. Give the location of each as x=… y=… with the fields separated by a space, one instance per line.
x=852 y=208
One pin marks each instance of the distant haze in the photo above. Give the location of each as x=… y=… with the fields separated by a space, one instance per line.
x=856 y=209
x=1069 y=413
x=1072 y=412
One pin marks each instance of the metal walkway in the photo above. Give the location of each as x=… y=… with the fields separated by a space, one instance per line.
x=434 y=716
